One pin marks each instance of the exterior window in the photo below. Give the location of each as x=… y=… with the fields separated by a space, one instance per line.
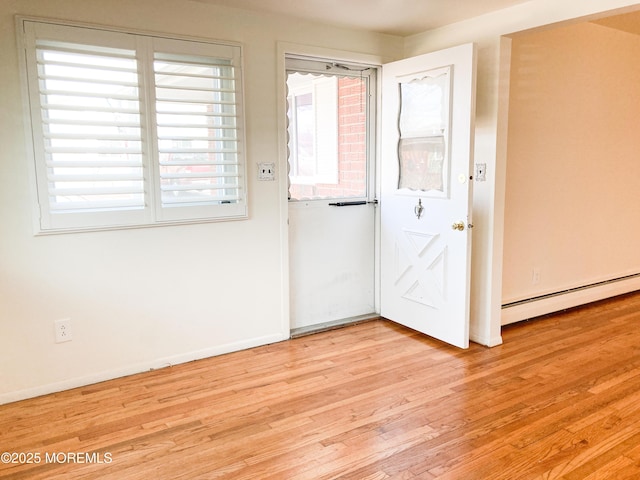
x=328 y=129
x=132 y=130
x=313 y=115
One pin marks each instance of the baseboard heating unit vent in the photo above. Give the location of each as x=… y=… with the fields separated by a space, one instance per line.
x=572 y=297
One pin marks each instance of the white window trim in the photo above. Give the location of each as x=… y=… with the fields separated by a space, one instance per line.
x=150 y=215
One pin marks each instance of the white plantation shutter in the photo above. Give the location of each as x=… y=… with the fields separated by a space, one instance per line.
x=91 y=127
x=197 y=130
x=140 y=135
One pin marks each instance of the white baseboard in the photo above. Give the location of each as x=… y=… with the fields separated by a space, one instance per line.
x=137 y=368
x=485 y=340
x=569 y=299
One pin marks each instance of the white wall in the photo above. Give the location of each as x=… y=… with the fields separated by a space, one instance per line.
x=145 y=298
x=491 y=125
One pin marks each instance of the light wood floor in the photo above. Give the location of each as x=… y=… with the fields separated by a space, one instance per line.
x=560 y=399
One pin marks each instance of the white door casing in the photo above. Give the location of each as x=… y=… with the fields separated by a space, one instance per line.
x=425 y=262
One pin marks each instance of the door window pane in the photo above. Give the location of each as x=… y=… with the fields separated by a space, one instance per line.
x=424 y=129
x=327 y=130
x=422 y=163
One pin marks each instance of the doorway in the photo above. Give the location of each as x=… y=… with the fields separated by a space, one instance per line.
x=571 y=114
x=332 y=210
x=331 y=192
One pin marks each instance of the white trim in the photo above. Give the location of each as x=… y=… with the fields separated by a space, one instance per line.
x=29 y=141
x=321 y=53
x=283 y=190
x=139 y=368
x=486 y=340
x=96 y=26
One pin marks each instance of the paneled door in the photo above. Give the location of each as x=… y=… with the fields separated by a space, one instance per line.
x=428 y=109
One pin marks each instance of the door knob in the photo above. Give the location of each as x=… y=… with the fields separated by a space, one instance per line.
x=458 y=226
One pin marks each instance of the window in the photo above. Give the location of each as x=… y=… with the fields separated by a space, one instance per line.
x=423 y=125
x=313 y=114
x=329 y=129
x=133 y=130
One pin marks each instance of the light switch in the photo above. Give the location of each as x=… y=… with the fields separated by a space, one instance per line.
x=266 y=171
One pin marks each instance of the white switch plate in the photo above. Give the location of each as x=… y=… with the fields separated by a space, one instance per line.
x=266 y=171
x=481 y=172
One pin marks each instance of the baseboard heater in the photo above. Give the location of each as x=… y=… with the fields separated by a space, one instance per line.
x=572 y=297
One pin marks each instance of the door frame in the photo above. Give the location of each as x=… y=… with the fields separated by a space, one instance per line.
x=292 y=49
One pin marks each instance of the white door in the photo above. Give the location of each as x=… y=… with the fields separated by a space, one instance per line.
x=331 y=213
x=428 y=105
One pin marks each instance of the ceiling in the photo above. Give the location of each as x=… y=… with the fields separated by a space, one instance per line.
x=395 y=17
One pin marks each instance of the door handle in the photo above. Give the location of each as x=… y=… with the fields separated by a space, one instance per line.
x=347 y=204
x=458 y=226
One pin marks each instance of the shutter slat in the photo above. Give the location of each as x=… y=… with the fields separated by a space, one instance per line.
x=104 y=150
x=92 y=81
x=68 y=93
x=198 y=139
x=86 y=51
x=216 y=63
x=89 y=67
x=198 y=150
x=183 y=188
x=189 y=113
x=196 y=89
x=209 y=200
x=95 y=191
x=199 y=125
x=185 y=175
x=160 y=98
x=90 y=123
x=79 y=136
x=196 y=163
x=170 y=74
x=68 y=206
x=93 y=164
x=79 y=108
x=98 y=177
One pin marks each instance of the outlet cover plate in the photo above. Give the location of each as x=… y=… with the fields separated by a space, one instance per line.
x=63 y=330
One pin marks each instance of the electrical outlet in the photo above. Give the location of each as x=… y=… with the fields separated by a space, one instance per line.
x=535 y=275
x=63 y=330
